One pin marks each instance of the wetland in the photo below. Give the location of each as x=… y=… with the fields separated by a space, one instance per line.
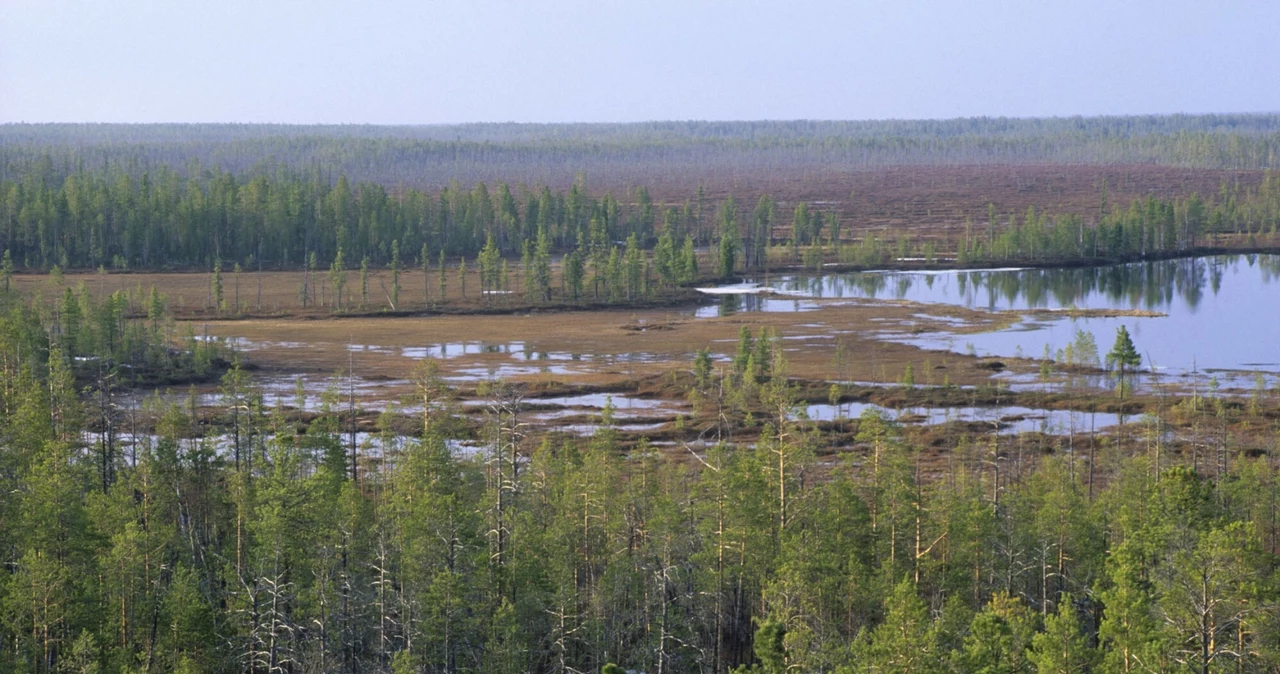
x=958 y=353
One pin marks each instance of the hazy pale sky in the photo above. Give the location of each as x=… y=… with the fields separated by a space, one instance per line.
x=432 y=61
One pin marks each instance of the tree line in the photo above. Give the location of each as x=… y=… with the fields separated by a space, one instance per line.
x=164 y=219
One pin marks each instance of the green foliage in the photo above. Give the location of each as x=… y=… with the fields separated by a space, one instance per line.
x=1123 y=356
x=6 y=269
x=364 y=282
x=394 y=297
x=1063 y=647
x=574 y=274
x=215 y=285
x=727 y=250
x=489 y=261
x=297 y=547
x=905 y=643
x=541 y=273
x=1082 y=351
x=338 y=278
x=998 y=639
x=688 y=262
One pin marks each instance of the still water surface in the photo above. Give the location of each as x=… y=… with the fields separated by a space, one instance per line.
x=1221 y=312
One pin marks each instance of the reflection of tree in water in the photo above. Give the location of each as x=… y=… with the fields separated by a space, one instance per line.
x=902 y=286
x=1215 y=275
x=1147 y=285
x=870 y=285
x=1269 y=264
x=732 y=304
x=1190 y=282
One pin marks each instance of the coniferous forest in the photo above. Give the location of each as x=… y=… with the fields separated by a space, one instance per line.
x=262 y=548
x=244 y=535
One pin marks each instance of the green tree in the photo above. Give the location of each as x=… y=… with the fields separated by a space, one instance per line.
x=1123 y=356
x=215 y=285
x=1063 y=647
x=6 y=269
x=905 y=643
x=574 y=273
x=542 y=267
x=1210 y=598
x=424 y=258
x=364 y=282
x=462 y=277
x=664 y=258
x=727 y=256
x=770 y=647
x=634 y=268
x=490 y=265
x=688 y=261
x=338 y=278
x=444 y=287
x=1128 y=635
x=998 y=639
x=395 y=275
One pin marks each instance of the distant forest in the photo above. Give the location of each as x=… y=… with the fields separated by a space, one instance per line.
x=553 y=154
x=153 y=196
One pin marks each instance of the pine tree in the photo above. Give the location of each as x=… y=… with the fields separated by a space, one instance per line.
x=235 y=270
x=729 y=241
x=490 y=269
x=905 y=642
x=998 y=639
x=542 y=267
x=364 y=282
x=215 y=284
x=1063 y=648
x=1122 y=356
x=338 y=278
x=462 y=277
x=1128 y=636
x=664 y=258
x=395 y=275
x=6 y=269
x=443 y=276
x=424 y=256
x=634 y=268
x=574 y=273
x=688 y=261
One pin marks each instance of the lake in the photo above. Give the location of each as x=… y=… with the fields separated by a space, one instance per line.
x=1221 y=313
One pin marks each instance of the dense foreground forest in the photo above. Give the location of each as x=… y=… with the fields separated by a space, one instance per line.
x=286 y=548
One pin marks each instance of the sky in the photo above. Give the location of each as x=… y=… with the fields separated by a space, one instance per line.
x=436 y=61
